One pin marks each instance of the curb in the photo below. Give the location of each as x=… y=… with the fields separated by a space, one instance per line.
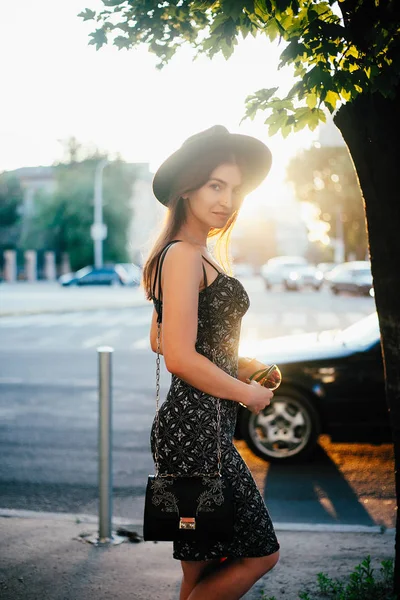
x=94 y=519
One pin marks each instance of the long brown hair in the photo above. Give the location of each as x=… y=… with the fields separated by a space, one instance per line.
x=194 y=176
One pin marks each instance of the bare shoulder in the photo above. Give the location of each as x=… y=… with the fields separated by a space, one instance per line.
x=183 y=249
x=182 y=258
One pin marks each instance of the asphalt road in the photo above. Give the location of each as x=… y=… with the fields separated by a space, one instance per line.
x=49 y=405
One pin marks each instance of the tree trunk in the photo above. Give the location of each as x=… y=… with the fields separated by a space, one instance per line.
x=370 y=126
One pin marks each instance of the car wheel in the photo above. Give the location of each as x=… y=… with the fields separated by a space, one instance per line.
x=334 y=290
x=285 y=431
x=268 y=286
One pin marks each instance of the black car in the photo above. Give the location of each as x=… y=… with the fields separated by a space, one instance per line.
x=332 y=383
x=108 y=275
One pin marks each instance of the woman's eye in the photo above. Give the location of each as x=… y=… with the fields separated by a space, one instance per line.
x=215 y=186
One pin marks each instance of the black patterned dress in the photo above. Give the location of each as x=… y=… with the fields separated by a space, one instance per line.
x=188 y=429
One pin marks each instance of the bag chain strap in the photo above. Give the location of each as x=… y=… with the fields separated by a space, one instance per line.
x=219 y=450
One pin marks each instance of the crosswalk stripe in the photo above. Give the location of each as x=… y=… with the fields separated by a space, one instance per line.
x=74 y=320
x=141 y=344
x=83 y=319
x=118 y=327
x=352 y=317
x=104 y=338
x=292 y=319
x=327 y=320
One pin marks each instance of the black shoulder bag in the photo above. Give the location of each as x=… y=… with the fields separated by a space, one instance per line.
x=199 y=507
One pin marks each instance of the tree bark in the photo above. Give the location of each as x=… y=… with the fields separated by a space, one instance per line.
x=370 y=126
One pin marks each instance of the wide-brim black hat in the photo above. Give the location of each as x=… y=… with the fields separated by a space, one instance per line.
x=253 y=155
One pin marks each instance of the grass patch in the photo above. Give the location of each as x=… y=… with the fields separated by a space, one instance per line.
x=361 y=584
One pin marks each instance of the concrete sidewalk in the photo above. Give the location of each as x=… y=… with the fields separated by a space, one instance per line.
x=24 y=298
x=44 y=558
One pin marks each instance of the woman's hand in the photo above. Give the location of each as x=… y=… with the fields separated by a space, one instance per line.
x=259 y=397
x=248 y=366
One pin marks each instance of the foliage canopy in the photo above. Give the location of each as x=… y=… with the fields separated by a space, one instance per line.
x=338 y=49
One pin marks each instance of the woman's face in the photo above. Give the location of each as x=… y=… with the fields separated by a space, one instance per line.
x=218 y=198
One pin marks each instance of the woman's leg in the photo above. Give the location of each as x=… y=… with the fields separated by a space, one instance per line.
x=193 y=572
x=233 y=579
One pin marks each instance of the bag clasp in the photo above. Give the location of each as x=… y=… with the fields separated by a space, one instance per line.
x=187 y=523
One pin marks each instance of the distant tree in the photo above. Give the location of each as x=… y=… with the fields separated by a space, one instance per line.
x=326 y=177
x=11 y=199
x=62 y=220
x=344 y=54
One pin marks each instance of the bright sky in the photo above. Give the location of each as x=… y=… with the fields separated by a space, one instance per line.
x=56 y=86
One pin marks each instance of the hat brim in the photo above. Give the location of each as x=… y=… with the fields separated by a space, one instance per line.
x=253 y=155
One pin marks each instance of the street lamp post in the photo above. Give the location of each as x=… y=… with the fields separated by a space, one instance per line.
x=339 y=242
x=98 y=230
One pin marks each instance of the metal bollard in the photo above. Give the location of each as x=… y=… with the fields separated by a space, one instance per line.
x=105 y=442
x=105 y=534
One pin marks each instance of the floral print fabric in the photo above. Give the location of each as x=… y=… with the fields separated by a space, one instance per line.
x=188 y=429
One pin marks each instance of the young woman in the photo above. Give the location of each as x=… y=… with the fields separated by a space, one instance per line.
x=203 y=185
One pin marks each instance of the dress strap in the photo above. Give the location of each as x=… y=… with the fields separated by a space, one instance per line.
x=158 y=301
x=210 y=263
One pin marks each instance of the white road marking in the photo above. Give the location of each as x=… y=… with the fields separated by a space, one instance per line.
x=102 y=339
x=328 y=320
x=82 y=319
x=141 y=344
x=292 y=319
x=352 y=317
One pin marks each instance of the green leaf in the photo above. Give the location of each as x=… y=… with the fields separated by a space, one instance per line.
x=273 y=129
x=285 y=130
x=233 y=9
x=99 y=38
x=278 y=104
x=122 y=42
x=346 y=95
x=311 y=100
x=265 y=94
x=275 y=122
x=332 y=98
x=87 y=14
x=272 y=29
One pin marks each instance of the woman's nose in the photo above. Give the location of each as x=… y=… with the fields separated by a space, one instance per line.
x=227 y=199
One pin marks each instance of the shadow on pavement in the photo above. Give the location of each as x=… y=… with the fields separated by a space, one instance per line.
x=313 y=492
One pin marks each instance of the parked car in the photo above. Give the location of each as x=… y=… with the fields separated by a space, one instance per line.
x=304 y=276
x=326 y=269
x=332 y=383
x=134 y=271
x=107 y=275
x=354 y=276
x=276 y=270
x=243 y=270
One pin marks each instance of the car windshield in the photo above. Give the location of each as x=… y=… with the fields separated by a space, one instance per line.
x=362 y=333
x=362 y=272
x=83 y=271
